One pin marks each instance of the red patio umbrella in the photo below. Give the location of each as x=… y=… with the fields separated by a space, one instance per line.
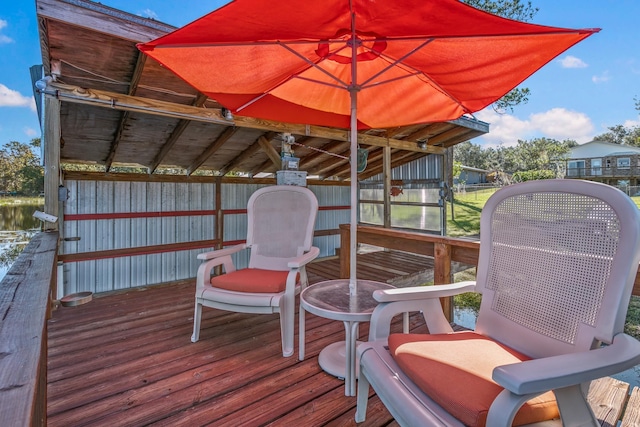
x=357 y=64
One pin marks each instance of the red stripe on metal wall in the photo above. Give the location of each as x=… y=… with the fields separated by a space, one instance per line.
x=169 y=214
x=128 y=215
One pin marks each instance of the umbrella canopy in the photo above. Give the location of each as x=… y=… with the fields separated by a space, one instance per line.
x=357 y=64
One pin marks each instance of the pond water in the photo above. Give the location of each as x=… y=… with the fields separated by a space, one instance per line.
x=17 y=226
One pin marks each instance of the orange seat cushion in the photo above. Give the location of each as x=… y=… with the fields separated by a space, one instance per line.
x=455 y=371
x=252 y=280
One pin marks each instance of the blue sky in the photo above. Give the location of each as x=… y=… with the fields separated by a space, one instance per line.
x=579 y=95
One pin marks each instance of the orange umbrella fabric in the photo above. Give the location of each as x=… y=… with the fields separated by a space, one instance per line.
x=357 y=64
x=417 y=61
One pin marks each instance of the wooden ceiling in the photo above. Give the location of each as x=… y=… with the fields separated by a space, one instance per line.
x=119 y=108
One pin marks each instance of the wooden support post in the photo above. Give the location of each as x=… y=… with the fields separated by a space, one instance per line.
x=442 y=274
x=345 y=252
x=386 y=168
x=51 y=141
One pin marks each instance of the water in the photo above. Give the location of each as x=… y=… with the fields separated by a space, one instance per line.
x=17 y=226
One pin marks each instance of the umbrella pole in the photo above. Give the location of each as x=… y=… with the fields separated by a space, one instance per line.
x=353 y=240
x=353 y=127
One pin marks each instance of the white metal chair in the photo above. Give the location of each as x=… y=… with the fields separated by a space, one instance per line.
x=557 y=263
x=281 y=221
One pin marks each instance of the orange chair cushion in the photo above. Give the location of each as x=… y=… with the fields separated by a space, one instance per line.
x=252 y=280
x=455 y=371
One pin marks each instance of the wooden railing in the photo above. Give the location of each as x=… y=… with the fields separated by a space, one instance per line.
x=25 y=302
x=444 y=250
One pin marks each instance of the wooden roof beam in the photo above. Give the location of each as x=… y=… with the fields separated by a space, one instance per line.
x=91 y=15
x=181 y=126
x=272 y=153
x=69 y=93
x=211 y=149
x=133 y=86
x=253 y=149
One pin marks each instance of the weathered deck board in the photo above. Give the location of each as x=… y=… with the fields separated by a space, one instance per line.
x=126 y=359
x=611 y=395
x=632 y=413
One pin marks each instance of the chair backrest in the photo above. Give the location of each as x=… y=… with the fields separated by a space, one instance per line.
x=557 y=263
x=281 y=221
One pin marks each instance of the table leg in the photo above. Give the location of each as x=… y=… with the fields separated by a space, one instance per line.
x=351 y=332
x=301 y=333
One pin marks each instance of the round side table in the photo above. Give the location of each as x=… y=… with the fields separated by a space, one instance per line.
x=332 y=300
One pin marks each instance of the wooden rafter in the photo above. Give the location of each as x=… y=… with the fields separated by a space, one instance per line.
x=181 y=126
x=211 y=149
x=133 y=86
x=246 y=154
x=101 y=98
x=272 y=153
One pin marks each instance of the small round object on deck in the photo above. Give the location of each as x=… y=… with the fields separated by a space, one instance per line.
x=78 y=298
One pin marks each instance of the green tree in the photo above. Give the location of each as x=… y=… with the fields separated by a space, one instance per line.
x=20 y=170
x=471 y=155
x=620 y=134
x=534 y=155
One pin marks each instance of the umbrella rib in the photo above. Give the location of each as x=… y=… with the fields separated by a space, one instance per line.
x=396 y=61
x=316 y=66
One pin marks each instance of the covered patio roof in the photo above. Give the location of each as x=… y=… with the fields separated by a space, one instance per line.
x=119 y=108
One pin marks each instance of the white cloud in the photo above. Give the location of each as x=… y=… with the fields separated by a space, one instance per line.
x=572 y=62
x=632 y=123
x=602 y=78
x=30 y=132
x=504 y=129
x=4 y=39
x=13 y=98
x=560 y=124
x=148 y=13
x=557 y=123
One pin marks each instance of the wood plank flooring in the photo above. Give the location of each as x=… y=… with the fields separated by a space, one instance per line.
x=126 y=359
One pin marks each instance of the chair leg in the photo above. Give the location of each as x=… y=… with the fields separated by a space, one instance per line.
x=574 y=407
x=196 y=322
x=287 y=318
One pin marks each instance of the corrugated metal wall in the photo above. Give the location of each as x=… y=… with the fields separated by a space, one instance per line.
x=425 y=168
x=101 y=233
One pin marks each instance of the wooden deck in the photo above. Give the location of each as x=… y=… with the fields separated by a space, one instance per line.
x=126 y=359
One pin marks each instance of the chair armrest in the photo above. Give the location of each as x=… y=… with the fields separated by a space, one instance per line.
x=544 y=374
x=423 y=292
x=304 y=258
x=222 y=252
x=213 y=259
x=420 y=298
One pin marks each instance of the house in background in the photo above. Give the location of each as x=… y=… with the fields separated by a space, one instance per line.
x=471 y=176
x=605 y=162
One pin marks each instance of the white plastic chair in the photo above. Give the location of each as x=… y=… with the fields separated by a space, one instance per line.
x=281 y=221
x=557 y=263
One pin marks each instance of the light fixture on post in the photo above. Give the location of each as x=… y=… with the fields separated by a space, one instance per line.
x=226 y=114
x=42 y=84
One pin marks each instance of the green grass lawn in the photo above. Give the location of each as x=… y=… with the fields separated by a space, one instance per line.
x=466 y=222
